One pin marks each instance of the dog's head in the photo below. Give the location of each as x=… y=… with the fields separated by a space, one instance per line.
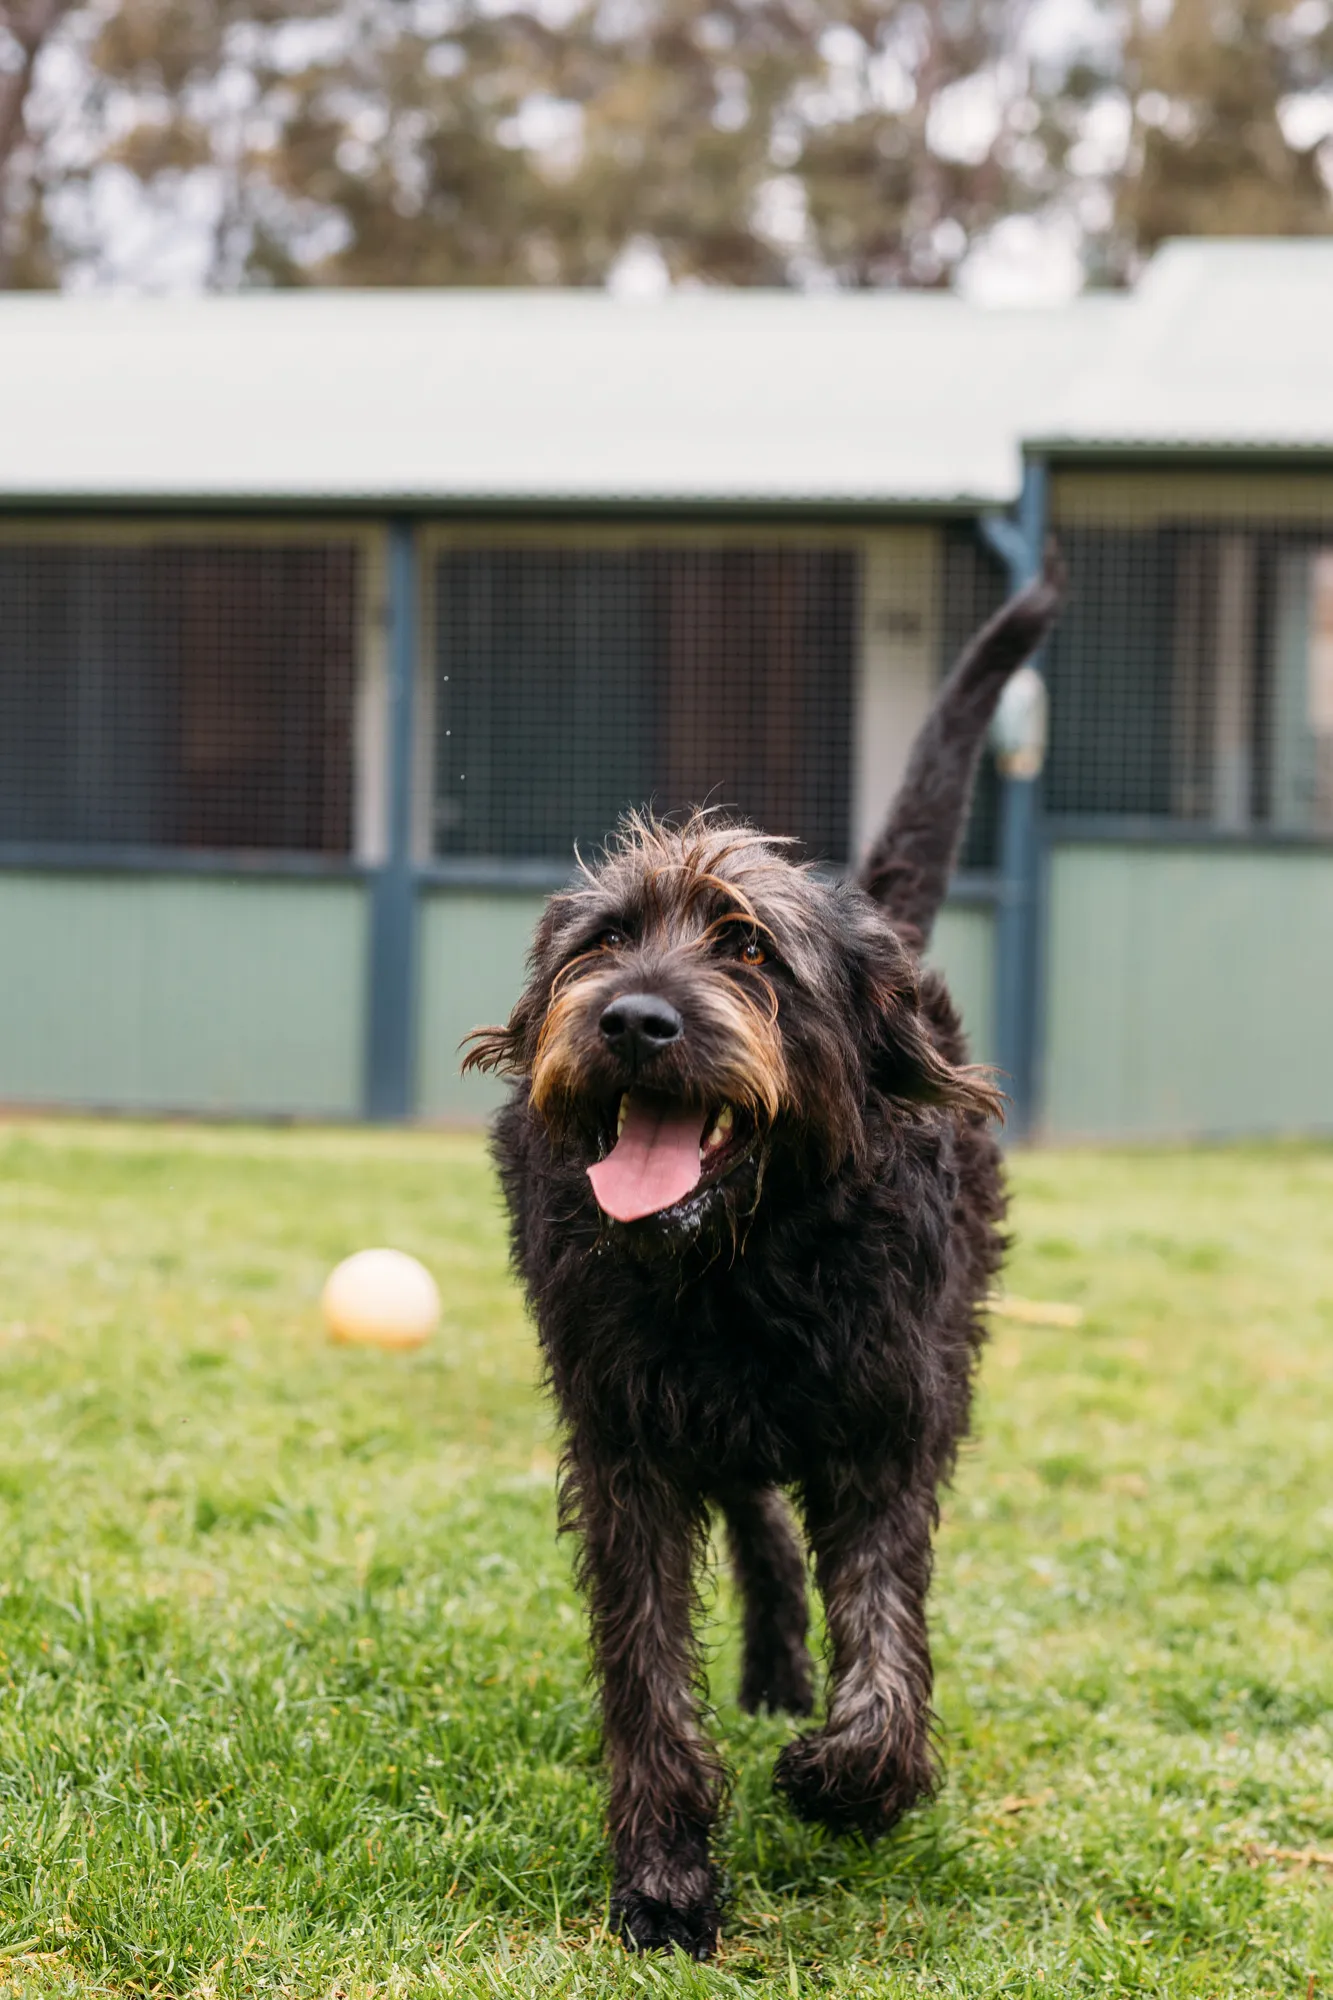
x=700 y=1006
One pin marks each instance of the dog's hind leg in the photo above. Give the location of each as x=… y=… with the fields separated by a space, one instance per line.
x=770 y=1572
x=641 y=1543
x=873 y=1758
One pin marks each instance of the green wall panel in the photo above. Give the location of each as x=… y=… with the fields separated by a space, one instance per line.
x=473 y=946
x=1189 y=992
x=182 y=993
x=963 y=947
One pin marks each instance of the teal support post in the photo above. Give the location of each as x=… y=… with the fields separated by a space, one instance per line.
x=1019 y=916
x=390 y=1072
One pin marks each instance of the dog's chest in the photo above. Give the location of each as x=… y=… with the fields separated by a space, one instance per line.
x=742 y=1392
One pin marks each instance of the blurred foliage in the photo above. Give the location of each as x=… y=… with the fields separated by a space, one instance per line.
x=868 y=143
x=1210 y=157
x=27 y=27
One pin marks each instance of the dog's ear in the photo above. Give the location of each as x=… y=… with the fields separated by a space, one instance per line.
x=506 y=1050
x=494 y=1050
x=911 y=1069
x=902 y=1056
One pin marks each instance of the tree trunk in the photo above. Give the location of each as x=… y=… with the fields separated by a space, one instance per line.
x=31 y=27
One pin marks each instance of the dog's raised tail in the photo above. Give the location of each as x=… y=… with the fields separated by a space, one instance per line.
x=908 y=868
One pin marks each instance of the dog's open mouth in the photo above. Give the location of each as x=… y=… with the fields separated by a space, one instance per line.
x=665 y=1151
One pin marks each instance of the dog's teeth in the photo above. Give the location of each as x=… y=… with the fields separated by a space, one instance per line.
x=718 y=1136
x=622 y=1114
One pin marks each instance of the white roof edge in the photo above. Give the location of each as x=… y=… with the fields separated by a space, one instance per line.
x=722 y=401
x=506 y=501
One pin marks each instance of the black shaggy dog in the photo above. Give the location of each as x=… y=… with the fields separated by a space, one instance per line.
x=756 y=1203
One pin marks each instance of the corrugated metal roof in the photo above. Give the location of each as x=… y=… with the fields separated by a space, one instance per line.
x=526 y=398
x=1226 y=346
x=725 y=399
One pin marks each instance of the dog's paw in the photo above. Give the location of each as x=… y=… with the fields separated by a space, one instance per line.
x=649 y=1923
x=849 y=1787
x=781 y=1681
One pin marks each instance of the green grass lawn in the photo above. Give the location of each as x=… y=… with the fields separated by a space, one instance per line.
x=292 y=1692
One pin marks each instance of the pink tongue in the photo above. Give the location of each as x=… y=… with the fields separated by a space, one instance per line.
x=655 y=1162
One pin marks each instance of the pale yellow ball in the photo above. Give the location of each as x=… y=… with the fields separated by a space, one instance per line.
x=381 y=1298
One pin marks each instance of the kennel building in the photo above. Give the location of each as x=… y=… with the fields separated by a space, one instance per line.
x=330 y=624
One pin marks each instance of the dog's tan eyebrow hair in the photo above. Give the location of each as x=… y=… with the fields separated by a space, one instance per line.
x=698 y=883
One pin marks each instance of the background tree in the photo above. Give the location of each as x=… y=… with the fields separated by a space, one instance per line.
x=1211 y=153
x=442 y=141
x=899 y=189
x=26 y=28
x=873 y=142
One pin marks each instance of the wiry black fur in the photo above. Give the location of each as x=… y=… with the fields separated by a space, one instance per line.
x=807 y=1320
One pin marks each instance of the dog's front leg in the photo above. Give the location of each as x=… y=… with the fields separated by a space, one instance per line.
x=641 y=1539
x=873 y=1757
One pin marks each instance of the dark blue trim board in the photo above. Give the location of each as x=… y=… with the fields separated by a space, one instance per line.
x=1019 y=916
x=48 y=857
x=1017 y=929
x=390 y=1075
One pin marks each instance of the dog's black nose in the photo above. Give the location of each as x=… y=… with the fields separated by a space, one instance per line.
x=639 y=1024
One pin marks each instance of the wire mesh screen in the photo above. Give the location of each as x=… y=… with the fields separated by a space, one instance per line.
x=178 y=694
x=574 y=682
x=974 y=584
x=1191 y=675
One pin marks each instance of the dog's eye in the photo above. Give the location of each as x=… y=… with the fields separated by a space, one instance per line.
x=752 y=952
x=612 y=940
